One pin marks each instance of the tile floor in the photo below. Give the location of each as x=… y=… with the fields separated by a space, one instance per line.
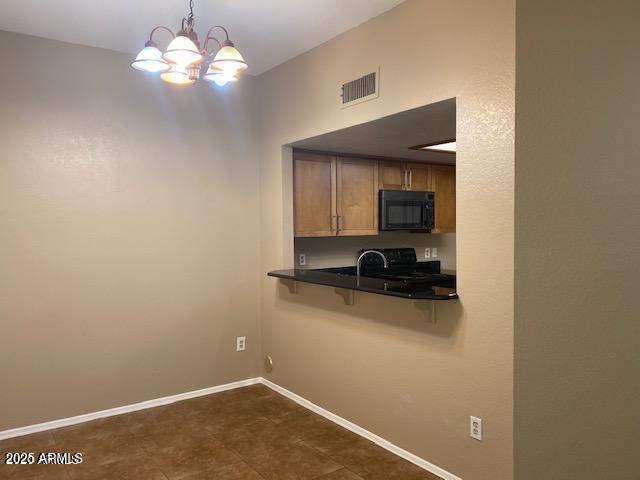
x=249 y=433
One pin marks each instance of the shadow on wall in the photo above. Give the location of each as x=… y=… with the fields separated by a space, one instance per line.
x=386 y=311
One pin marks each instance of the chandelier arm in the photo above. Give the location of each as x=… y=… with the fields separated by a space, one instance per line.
x=226 y=32
x=160 y=27
x=204 y=48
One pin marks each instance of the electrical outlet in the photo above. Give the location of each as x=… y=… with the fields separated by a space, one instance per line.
x=434 y=253
x=302 y=259
x=475 y=428
x=427 y=253
x=241 y=343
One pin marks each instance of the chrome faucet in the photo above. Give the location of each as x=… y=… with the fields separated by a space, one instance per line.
x=384 y=260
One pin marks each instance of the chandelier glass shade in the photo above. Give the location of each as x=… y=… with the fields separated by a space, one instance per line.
x=150 y=60
x=229 y=60
x=183 y=51
x=184 y=61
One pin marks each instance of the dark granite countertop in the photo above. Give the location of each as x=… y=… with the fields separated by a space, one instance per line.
x=441 y=288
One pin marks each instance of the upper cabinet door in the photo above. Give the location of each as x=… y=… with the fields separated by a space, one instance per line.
x=443 y=184
x=418 y=177
x=357 y=196
x=392 y=176
x=314 y=194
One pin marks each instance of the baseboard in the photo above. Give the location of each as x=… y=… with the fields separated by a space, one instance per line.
x=420 y=462
x=65 y=422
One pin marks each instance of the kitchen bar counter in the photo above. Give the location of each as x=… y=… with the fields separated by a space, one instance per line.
x=442 y=289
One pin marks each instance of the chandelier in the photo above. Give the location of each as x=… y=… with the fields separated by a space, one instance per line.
x=184 y=62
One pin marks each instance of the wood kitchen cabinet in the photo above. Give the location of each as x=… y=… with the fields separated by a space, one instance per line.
x=418 y=177
x=334 y=196
x=357 y=196
x=404 y=176
x=443 y=184
x=338 y=196
x=392 y=175
x=314 y=195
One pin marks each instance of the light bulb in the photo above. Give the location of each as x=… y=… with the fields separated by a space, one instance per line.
x=221 y=80
x=218 y=77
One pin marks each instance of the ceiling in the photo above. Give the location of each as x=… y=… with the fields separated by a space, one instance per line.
x=266 y=32
x=392 y=136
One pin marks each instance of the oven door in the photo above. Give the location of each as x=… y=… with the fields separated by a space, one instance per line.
x=402 y=210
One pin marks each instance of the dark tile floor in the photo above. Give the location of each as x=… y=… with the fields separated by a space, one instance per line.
x=249 y=433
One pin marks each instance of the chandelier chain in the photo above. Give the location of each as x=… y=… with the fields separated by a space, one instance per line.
x=190 y=18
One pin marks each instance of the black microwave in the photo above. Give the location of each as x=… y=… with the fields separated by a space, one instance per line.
x=405 y=210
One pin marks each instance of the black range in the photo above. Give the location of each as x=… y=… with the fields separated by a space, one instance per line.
x=403 y=277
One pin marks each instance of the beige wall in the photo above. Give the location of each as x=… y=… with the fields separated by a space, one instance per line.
x=577 y=335
x=341 y=251
x=378 y=363
x=128 y=265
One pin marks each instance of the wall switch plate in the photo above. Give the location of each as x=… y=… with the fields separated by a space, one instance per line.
x=241 y=343
x=302 y=259
x=475 y=428
x=427 y=253
x=434 y=253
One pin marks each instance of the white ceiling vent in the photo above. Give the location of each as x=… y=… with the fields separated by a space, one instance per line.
x=361 y=89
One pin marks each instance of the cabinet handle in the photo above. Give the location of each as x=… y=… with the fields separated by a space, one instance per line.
x=405 y=182
x=339 y=222
x=410 y=177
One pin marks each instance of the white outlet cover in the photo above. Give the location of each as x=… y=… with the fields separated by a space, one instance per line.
x=475 y=428
x=302 y=259
x=241 y=344
x=427 y=253
x=434 y=253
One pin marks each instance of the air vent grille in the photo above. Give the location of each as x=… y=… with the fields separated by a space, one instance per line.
x=362 y=87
